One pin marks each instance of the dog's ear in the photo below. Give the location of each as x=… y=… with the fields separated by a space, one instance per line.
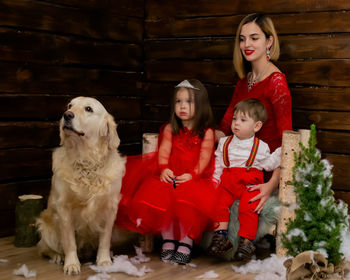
x=62 y=134
x=110 y=131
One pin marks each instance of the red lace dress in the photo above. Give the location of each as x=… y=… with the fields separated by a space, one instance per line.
x=273 y=92
x=150 y=206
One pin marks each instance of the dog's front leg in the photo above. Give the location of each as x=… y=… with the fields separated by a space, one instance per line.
x=103 y=254
x=71 y=262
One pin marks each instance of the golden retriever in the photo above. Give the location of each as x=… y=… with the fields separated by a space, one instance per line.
x=87 y=175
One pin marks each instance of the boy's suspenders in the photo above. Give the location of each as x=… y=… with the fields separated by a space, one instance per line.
x=225 y=151
x=252 y=155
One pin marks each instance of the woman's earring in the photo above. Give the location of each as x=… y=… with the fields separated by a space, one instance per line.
x=268 y=57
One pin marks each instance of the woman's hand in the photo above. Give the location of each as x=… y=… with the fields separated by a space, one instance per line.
x=183 y=178
x=266 y=190
x=167 y=175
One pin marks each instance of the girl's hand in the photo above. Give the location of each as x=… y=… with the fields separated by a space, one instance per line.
x=166 y=176
x=265 y=192
x=218 y=135
x=183 y=178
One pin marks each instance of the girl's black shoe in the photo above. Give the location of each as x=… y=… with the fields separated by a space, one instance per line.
x=182 y=258
x=167 y=254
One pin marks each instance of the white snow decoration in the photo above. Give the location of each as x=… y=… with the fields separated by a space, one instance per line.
x=345 y=245
x=140 y=257
x=271 y=268
x=323 y=251
x=138 y=222
x=24 y=271
x=100 y=276
x=4 y=261
x=327 y=169
x=307 y=217
x=324 y=201
x=319 y=189
x=320 y=244
x=121 y=264
x=208 y=275
x=296 y=232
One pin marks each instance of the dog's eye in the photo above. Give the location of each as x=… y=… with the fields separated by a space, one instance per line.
x=69 y=106
x=88 y=109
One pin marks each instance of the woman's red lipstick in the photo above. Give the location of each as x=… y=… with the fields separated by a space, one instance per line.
x=248 y=52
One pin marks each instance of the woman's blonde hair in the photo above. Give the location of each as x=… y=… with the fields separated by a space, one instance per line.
x=242 y=66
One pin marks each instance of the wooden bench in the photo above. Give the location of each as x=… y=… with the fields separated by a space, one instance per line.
x=286 y=195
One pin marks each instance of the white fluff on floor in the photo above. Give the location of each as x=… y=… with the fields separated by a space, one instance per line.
x=140 y=257
x=4 y=261
x=271 y=268
x=208 y=275
x=100 y=276
x=121 y=264
x=24 y=271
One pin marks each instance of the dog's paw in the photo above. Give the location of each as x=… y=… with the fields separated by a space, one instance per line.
x=57 y=258
x=104 y=262
x=72 y=269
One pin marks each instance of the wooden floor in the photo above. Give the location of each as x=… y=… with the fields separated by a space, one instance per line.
x=45 y=270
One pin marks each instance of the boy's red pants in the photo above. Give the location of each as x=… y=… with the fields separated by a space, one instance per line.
x=234 y=185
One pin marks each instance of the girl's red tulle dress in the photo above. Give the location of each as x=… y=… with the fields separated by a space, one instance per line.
x=150 y=206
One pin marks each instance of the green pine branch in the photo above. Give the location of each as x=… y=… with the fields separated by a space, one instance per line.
x=319 y=220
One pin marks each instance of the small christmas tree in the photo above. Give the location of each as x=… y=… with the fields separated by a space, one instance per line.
x=319 y=221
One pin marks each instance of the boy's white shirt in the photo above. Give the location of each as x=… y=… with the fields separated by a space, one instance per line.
x=238 y=154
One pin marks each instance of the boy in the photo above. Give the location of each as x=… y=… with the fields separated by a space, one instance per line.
x=240 y=159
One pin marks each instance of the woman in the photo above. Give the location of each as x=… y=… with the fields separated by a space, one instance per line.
x=256 y=46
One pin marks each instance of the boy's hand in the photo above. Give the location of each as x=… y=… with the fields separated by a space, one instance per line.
x=183 y=178
x=166 y=176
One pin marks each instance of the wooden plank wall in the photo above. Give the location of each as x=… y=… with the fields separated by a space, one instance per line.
x=195 y=39
x=50 y=52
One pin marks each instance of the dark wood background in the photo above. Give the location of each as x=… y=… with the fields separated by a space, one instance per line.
x=129 y=54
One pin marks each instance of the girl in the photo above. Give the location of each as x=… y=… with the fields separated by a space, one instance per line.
x=175 y=196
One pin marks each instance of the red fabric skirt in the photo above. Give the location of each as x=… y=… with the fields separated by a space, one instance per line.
x=151 y=206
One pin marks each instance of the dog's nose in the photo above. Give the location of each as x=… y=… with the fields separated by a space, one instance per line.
x=68 y=115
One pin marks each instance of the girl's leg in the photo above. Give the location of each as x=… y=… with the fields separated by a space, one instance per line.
x=183 y=254
x=168 y=235
x=183 y=248
x=169 y=244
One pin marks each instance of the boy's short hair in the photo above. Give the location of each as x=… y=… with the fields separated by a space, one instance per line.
x=253 y=107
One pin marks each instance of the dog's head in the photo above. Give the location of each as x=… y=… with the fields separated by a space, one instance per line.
x=86 y=119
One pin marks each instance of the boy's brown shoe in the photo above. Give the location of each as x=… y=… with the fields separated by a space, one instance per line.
x=220 y=244
x=245 y=250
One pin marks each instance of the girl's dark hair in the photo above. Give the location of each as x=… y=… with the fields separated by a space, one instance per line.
x=203 y=116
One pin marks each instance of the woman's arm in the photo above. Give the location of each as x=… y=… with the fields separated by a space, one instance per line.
x=282 y=108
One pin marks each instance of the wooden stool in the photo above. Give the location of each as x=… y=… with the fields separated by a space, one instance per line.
x=28 y=208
